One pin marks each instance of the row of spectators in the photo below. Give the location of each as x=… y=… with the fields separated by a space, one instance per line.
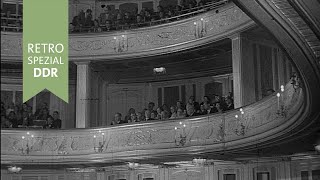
x=118 y=19
x=115 y=20
x=15 y=116
x=192 y=108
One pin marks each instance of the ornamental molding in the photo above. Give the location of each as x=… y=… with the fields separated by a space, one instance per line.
x=152 y=139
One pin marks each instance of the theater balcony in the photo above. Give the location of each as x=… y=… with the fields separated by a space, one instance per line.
x=208 y=27
x=264 y=55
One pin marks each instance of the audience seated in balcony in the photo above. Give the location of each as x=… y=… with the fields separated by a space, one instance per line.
x=192 y=108
x=55 y=122
x=117 y=119
x=16 y=116
x=117 y=19
x=120 y=20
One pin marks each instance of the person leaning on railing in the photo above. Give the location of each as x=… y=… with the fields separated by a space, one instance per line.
x=55 y=121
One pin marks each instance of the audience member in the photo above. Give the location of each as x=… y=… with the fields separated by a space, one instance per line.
x=133 y=118
x=202 y=111
x=3 y=109
x=153 y=115
x=140 y=117
x=12 y=118
x=209 y=109
x=84 y=22
x=229 y=103
x=88 y=21
x=158 y=115
x=56 y=121
x=5 y=123
x=147 y=114
x=181 y=113
x=173 y=112
x=96 y=27
x=117 y=119
x=128 y=116
x=219 y=107
x=151 y=107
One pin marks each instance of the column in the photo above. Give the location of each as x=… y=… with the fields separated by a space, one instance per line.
x=206 y=172
x=139 y=6
x=189 y=91
x=258 y=66
x=116 y=6
x=179 y=2
x=131 y=175
x=243 y=71
x=288 y=70
x=155 y=5
x=281 y=68
x=103 y=104
x=211 y=171
x=83 y=95
x=275 y=69
x=162 y=174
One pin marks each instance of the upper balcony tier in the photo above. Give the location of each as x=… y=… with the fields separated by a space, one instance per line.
x=264 y=121
x=216 y=24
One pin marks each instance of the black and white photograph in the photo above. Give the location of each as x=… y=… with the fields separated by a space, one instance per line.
x=169 y=90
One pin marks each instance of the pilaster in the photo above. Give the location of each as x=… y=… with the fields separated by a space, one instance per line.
x=83 y=95
x=243 y=71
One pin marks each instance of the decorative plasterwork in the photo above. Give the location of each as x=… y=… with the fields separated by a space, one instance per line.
x=212 y=133
x=155 y=40
x=291 y=15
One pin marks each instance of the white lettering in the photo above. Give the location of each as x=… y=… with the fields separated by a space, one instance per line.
x=61 y=49
x=45 y=48
x=30 y=46
x=45 y=72
x=54 y=72
x=36 y=72
x=51 y=46
x=37 y=48
x=30 y=60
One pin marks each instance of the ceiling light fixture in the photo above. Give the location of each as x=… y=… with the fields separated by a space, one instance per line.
x=133 y=165
x=14 y=169
x=199 y=161
x=159 y=70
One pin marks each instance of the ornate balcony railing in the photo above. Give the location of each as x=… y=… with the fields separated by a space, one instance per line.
x=148 y=41
x=232 y=130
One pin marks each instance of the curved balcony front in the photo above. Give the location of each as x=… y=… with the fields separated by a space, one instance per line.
x=150 y=41
x=265 y=121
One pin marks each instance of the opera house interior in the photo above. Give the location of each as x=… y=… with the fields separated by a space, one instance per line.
x=170 y=90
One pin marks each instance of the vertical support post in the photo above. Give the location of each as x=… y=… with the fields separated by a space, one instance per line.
x=139 y=6
x=103 y=104
x=83 y=95
x=243 y=71
x=155 y=5
x=275 y=69
x=281 y=68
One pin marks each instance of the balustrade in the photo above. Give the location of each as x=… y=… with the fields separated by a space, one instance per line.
x=147 y=41
x=214 y=132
